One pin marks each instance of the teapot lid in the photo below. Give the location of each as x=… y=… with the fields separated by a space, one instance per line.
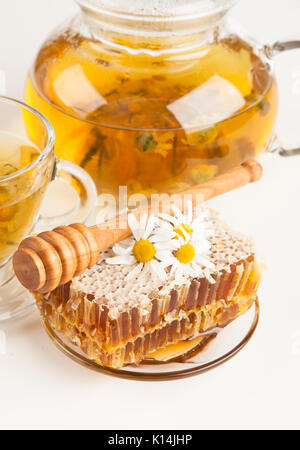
x=162 y=8
x=155 y=18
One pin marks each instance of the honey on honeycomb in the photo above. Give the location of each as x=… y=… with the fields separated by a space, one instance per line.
x=116 y=323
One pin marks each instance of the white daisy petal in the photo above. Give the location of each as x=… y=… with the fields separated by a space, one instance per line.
x=177 y=212
x=197 y=223
x=163 y=255
x=175 y=268
x=128 y=241
x=177 y=243
x=123 y=259
x=181 y=240
x=143 y=223
x=204 y=262
x=196 y=268
x=136 y=271
x=134 y=226
x=146 y=269
x=202 y=246
x=168 y=218
x=171 y=245
x=167 y=227
x=162 y=237
x=205 y=246
x=158 y=270
x=190 y=212
x=179 y=277
x=149 y=227
x=119 y=250
x=168 y=262
x=186 y=235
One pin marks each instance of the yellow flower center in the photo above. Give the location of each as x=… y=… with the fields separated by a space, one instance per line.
x=186 y=254
x=186 y=228
x=144 y=251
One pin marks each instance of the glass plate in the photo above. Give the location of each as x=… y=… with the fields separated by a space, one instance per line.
x=218 y=347
x=15 y=301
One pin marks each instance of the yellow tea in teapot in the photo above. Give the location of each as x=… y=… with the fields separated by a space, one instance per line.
x=19 y=197
x=154 y=122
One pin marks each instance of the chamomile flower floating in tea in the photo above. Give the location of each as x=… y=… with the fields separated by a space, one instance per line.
x=160 y=144
x=144 y=251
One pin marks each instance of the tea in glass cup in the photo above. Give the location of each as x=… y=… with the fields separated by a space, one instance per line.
x=20 y=198
x=26 y=169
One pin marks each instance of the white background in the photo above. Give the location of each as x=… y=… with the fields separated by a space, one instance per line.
x=41 y=388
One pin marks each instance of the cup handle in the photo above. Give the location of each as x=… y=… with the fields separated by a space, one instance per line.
x=81 y=199
x=272 y=51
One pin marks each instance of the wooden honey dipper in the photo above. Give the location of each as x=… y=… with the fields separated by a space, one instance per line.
x=52 y=258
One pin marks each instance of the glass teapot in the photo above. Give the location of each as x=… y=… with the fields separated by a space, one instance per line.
x=155 y=95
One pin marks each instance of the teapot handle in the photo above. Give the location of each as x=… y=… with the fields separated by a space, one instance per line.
x=271 y=51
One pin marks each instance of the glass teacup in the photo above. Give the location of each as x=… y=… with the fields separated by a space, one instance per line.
x=26 y=169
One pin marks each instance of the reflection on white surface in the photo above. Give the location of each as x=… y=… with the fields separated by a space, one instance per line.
x=215 y=100
x=75 y=90
x=2 y=343
x=60 y=206
x=2 y=83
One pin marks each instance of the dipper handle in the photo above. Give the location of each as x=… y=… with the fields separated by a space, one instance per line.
x=52 y=258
